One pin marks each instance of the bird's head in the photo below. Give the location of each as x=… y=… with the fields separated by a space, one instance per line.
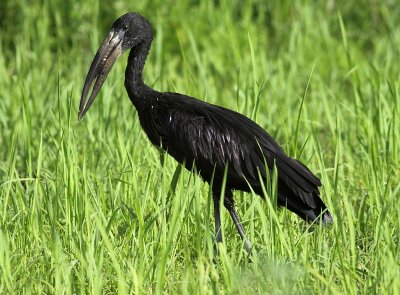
x=128 y=31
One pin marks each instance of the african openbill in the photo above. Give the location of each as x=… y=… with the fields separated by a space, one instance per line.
x=208 y=137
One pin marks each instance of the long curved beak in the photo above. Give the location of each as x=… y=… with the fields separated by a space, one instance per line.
x=110 y=49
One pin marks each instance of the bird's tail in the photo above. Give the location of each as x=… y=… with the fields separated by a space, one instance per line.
x=314 y=215
x=317 y=214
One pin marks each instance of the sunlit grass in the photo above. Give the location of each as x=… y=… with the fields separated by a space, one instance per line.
x=89 y=207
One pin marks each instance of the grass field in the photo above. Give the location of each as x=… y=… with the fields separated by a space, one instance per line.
x=90 y=207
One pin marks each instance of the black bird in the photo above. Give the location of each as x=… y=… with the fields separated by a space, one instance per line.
x=197 y=134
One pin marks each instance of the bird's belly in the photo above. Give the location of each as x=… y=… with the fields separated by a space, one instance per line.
x=210 y=172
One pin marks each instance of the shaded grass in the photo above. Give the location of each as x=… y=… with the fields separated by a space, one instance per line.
x=89 y=207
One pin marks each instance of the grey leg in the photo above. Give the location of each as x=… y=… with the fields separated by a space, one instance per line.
x=217 y=218
x=231 y=208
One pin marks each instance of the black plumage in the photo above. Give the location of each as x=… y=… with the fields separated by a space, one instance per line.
x=211 y=138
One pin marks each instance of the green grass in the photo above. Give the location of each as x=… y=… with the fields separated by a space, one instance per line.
x=90 y=207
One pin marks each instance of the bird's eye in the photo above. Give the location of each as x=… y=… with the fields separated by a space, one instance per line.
x=124 y=27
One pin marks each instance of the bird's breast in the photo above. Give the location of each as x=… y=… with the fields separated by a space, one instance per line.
x=148 y=121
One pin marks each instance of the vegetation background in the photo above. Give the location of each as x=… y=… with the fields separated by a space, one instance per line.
x=90 y=207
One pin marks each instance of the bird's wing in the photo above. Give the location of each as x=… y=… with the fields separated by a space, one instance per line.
x=212 y=134
x=292 y=172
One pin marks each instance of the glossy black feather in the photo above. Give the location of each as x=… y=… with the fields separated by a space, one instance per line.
x=208 y=136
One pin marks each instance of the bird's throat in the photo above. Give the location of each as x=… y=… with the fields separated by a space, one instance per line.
x=136 y=60
x=134 y=84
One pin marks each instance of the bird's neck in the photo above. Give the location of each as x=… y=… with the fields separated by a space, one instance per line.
x=136 y=88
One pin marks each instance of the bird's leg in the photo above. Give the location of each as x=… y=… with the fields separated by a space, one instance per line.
x=229 y=204
x=217 y=218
